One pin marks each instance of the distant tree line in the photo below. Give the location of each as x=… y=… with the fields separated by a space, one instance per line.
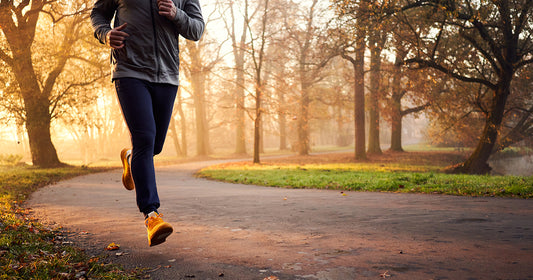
x=284 y=68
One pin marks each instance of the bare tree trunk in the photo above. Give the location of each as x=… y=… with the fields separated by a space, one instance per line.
x=477 y=162
x=257 y=123
x=374 y=146
x=262 y=132
x=341 y=133
x=202 y=131
x=38 y=117
x=359 y=98
x=239 y=50
x=174 y=135
x=258 y=67
x=38 y=120
x=306 y=76
x=396 y=106
x=183 y=124
x=198 y=87
x=240 y=137
x=303 y=119
x=282 y=121
x=396 y=126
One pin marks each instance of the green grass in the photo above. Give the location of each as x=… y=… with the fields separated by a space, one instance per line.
x=376 y=177
x=29 y=250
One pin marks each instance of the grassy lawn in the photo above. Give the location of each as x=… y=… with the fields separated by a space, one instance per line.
x=29 y=250
x=413 y=172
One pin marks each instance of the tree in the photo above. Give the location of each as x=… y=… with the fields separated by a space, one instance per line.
x=519 y=116
x=410 y=92
x=180 y=144
x=333 y=106
x=239 y=51
x=282 y=83
x=377 y=40
x=306 y=45
x=37 y=80
x=351 y=34
x=202 y=57
x=481 y=42
x=258 y=57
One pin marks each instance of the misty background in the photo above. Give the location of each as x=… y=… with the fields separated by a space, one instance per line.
x=274 y=75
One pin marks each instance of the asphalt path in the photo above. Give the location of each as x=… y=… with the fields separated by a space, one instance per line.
x=234 y=231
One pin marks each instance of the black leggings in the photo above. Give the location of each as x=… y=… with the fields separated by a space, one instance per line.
x=147 y=109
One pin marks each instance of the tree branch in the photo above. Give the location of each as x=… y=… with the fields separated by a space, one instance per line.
x=432 y=64
x=523 y=129
x=347 y=57
x=6 y=58
x=55 y=101
x=524 y=63
x=414 y=109
x=485 y=54
x=522 y=18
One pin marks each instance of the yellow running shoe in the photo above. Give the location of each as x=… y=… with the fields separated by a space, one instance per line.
x=127 y=179
x=158 y=230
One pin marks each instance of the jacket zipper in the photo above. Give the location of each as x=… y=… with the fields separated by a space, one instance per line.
x=156 y=46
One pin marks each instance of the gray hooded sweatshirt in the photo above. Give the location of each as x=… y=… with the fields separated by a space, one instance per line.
x=151 y=51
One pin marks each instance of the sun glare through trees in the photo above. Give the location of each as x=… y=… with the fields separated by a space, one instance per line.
x=282 y=76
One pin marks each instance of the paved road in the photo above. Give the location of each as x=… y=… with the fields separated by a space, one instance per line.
x=231 y=231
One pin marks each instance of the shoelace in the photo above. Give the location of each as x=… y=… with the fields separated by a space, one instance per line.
x=151 y=221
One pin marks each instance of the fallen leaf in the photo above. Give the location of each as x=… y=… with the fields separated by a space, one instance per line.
x=384 y=274
x=156 y=268
x=112 y=246
x=32 y=229
x=271 y=278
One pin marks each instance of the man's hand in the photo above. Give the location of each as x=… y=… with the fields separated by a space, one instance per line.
x=167 y=9
x=116 y=37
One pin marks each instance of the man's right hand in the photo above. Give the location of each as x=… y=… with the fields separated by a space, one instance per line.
x=116 y=37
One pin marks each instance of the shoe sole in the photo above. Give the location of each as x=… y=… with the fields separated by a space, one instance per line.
x=160 y=237
x=127 y=180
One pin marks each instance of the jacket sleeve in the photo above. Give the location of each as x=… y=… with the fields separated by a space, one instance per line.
x=101 y=16
x=189 y=20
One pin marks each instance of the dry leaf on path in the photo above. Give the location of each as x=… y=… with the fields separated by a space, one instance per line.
x=112 y=246
x=385 y=274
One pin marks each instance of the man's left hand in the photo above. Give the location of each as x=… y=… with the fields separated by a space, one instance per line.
x=167 y=9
